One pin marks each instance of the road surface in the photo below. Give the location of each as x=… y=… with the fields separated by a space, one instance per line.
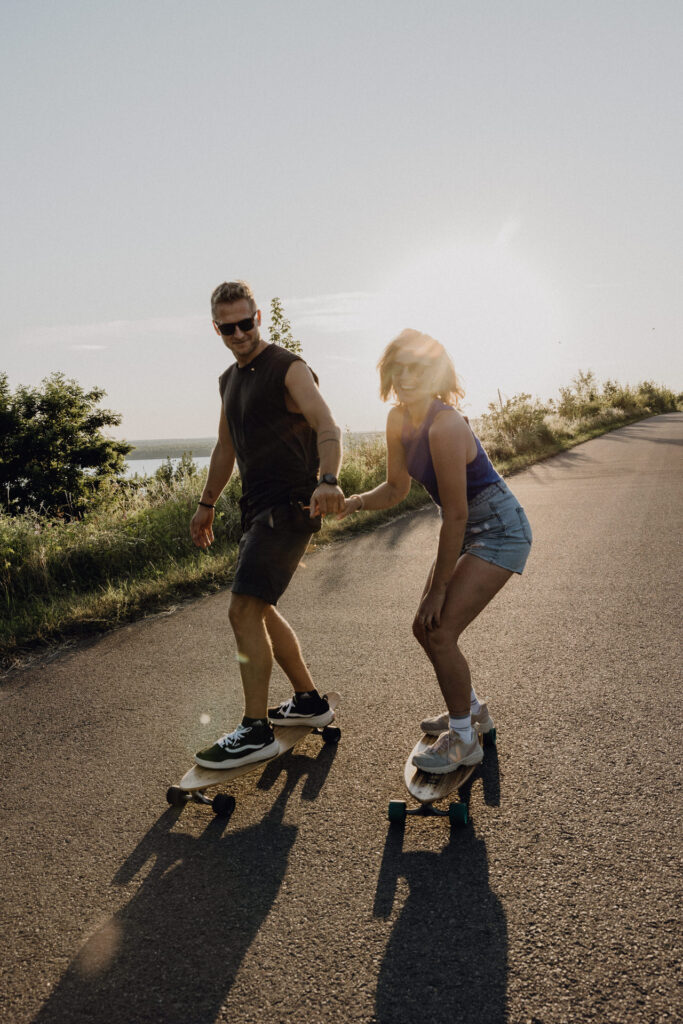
x=559 y=903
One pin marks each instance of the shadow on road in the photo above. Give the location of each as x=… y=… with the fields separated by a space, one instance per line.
x=171 y=955
x=446 y=961
x=641 y=435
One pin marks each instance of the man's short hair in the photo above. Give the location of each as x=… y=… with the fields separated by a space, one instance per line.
x=231 y=291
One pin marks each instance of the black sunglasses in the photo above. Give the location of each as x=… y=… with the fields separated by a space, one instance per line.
x=244 y=325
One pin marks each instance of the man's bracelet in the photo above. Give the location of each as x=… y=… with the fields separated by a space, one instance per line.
x=205 y=504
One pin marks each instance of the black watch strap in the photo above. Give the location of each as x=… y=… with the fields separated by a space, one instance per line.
x=328 y=478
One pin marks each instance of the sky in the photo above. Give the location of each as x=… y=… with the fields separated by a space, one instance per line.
x=504 y=175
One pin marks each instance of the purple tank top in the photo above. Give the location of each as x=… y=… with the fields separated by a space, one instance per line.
x=415 y=440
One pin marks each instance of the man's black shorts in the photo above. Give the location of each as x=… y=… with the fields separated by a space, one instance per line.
x=269 y=552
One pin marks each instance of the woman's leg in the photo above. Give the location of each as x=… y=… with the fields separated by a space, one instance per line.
x=473 y=584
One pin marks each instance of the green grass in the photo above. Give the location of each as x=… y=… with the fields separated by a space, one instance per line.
x=132 y=554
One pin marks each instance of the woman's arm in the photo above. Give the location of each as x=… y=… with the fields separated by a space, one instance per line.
x=449 y=439
x=397 y=484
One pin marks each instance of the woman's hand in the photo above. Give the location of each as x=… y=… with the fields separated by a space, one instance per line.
x=352 y=504
x=431 y=606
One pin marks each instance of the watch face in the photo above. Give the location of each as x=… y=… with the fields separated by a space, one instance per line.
x=329 y=478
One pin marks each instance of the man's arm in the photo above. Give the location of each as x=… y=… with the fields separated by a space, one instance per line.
x=305 y=395
x=220 y=470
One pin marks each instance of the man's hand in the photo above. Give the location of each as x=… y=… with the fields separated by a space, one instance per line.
x=326 y=500
x=201 y=527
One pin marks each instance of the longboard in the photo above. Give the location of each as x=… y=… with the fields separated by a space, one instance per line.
x=429 y=788
x=198 y=779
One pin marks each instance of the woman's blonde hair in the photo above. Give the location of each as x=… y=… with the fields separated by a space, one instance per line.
x=445 y=383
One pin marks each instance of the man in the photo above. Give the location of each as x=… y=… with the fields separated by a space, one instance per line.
x=275 y=423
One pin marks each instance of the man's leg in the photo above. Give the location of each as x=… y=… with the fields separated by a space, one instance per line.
x=247 y=617
x=253 y=740
x=306 y=707
x=287 y=651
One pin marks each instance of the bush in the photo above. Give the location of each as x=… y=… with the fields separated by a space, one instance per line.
x=515 y=425
x=54 y=458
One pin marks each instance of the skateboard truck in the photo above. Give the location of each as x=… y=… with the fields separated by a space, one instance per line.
x=428 y=787
x=457 y=812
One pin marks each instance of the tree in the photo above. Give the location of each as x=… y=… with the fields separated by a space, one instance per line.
x=186 y=468
x=54 y=457
x=280 y=329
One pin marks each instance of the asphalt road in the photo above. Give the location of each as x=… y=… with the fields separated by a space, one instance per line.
x=560 y=902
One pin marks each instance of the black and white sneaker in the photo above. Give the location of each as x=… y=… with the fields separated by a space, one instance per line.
x=246 y=744
x=303 y=709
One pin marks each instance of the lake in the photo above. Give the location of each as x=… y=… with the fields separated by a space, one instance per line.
x=148 y=467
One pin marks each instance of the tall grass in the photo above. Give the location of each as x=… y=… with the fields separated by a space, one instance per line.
x=133 y=554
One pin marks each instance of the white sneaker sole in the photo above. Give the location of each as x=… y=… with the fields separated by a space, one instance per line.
x=444 y=769
x=263 y=754
x=315 y=722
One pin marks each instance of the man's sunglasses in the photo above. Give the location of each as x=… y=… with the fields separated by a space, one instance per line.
x=244 y=325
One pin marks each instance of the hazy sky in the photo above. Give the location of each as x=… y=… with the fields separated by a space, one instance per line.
x=505 y=175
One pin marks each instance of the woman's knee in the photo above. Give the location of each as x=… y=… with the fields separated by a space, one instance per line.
x=441 y=638
x=420 y=633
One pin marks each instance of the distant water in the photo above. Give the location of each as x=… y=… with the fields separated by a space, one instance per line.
x=148 y=467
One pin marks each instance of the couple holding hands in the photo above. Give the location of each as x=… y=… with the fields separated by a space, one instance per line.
x=275 y=423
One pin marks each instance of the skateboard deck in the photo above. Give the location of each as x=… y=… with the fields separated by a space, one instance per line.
x=195 y=781
x=428 y=788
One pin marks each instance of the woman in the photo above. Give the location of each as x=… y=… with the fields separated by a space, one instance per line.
x=485 y=535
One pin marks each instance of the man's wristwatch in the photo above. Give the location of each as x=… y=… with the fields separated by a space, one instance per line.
x=328 y=478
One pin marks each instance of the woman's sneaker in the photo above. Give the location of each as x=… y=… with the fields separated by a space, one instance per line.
x=302 y=709
x=246 y=744
x=448 y=753
x=482 y=722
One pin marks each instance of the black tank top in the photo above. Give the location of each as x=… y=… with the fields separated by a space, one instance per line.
x=277 y=452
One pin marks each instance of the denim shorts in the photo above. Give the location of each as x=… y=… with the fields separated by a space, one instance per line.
x=497 y=528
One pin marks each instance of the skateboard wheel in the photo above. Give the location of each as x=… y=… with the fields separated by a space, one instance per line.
x=489 y=738
x=223 y=805
x=457 y=814
x=331 y=734
x=397 y=810
x=176 y=796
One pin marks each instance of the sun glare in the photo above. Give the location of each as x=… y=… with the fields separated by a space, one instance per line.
x=496 y=315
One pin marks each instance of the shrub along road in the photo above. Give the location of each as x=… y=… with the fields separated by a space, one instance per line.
x=557 y=904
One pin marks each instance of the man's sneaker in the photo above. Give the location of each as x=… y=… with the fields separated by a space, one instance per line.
x=448 y=753
x=482 y=722
x=302 y=709
x=246 y=744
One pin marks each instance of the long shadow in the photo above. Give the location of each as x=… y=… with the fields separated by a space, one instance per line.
x=447 y=959
x=634 y=435
x=172 y=953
